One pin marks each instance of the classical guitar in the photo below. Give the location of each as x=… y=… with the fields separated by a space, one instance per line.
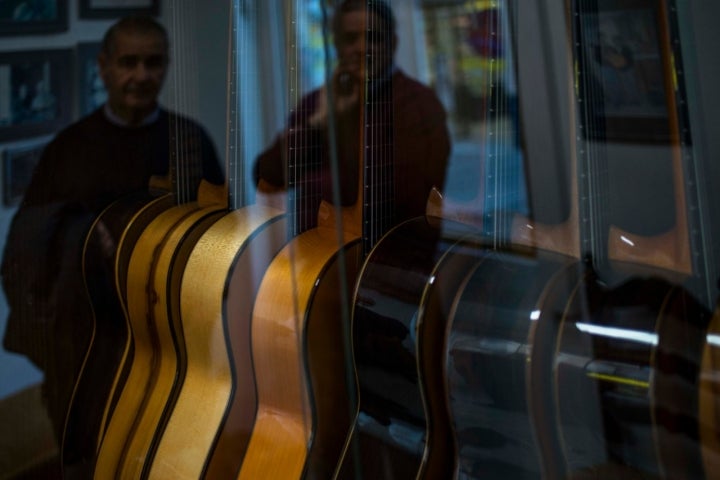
x=158 y=362
x=95 y=393
x=399 y=428
x=216 y=296
x=629 y=345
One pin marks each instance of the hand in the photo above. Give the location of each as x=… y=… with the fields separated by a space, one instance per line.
x=346 y=96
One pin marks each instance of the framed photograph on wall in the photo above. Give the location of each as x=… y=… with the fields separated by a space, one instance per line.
x=91 y=90
x=36 y=92
x=17 y=170
x=626 y=68
x=118 y=8
x=21 y=17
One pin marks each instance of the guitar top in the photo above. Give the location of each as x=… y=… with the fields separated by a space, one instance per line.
x=214 y=304
x=300 y=359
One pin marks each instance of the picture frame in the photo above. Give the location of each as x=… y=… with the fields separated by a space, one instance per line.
x=626 y=67
x=91 y=90
x=97 y=9
x=36 y=94
x=26 y=17
x=18 y=164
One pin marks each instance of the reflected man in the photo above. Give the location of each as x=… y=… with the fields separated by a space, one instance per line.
x=407 y=121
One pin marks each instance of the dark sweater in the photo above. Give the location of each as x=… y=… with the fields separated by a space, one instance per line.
x=85 y=168
x=407 y=129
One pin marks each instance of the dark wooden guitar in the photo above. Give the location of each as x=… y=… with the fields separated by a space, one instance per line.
x=499 y=405
x=400 y=427
x=106 y=253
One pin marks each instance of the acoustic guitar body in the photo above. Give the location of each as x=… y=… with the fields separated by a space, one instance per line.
x=154 y=307
x=140 y=370
x=103 y=371
x=496 y=324
x=400 y=427
x=627 y=376
x=300 y=359
x=214 y=405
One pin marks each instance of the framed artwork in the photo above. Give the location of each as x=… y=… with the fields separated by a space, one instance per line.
x=20 y=17
x=91 y=90
x=626 y=74
x=118 y=8
x=35 y=92
x=18 y=166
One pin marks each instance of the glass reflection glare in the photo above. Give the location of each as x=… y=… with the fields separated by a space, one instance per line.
x=621 y=333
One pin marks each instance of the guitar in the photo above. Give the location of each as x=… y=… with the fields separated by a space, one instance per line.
x=103 y=367
x=155 y=269
x=214 y=305
x=628 y=350
x=399 y=427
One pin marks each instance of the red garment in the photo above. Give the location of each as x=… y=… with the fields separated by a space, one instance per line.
x=418 y=147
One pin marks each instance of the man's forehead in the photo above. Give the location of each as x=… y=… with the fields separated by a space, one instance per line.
x=357 y=20
x=145 y=44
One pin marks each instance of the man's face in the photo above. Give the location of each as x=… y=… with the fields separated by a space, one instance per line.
x=353 y=41
x=133 y=73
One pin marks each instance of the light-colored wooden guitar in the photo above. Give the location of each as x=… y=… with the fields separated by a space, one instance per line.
x=214 y=303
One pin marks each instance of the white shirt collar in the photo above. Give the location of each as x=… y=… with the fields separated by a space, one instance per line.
x=116 y=120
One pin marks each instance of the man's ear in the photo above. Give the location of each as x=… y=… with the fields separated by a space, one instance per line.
x=102 y=63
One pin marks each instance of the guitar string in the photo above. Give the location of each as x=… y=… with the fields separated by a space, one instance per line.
x=232 y=127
